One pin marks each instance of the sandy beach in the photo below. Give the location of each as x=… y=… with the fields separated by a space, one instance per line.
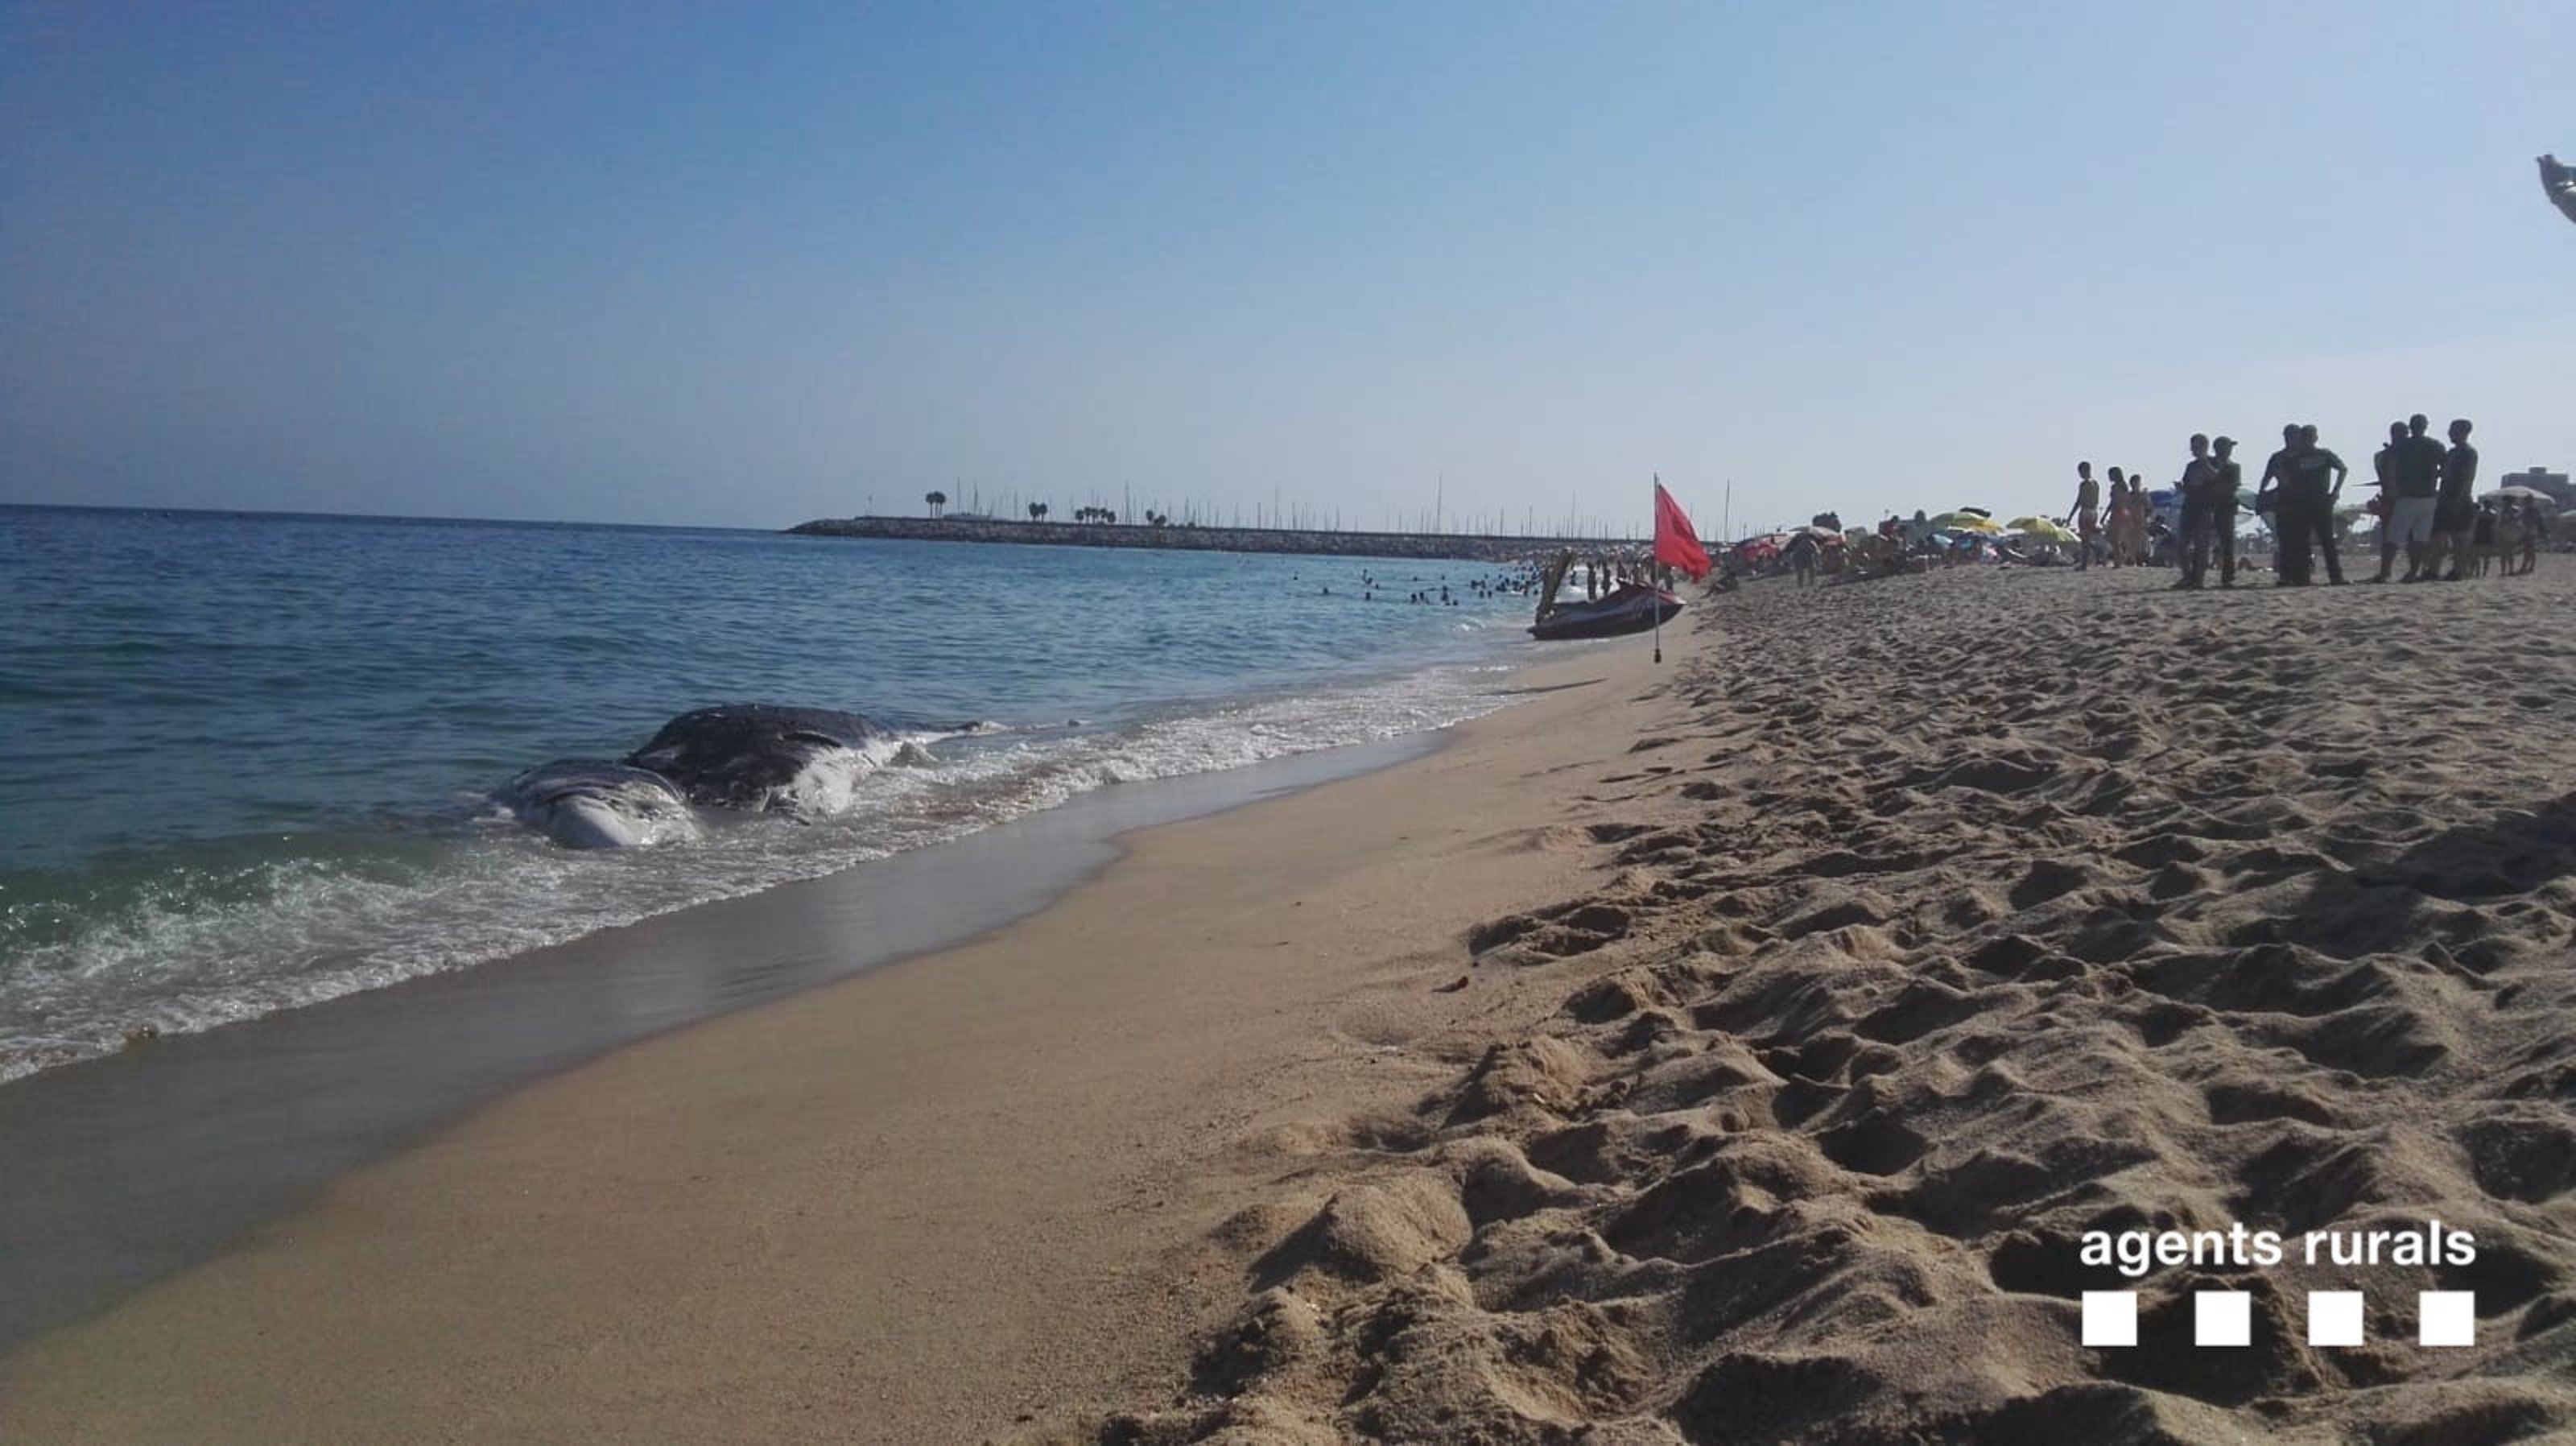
x=1736 y=1050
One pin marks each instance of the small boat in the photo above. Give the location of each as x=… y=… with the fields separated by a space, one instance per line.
x=1630 y=608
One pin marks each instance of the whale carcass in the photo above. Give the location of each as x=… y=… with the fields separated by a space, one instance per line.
x=591 y=803
x=763 y=755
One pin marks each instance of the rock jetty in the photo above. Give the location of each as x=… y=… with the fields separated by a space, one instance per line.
x=1207 y=539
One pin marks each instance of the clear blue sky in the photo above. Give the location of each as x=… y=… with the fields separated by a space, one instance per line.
x=752 y=264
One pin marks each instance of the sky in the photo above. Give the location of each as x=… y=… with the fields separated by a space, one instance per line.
x=749 y=265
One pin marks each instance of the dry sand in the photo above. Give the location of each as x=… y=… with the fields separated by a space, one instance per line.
x=1977 y=912
x=1826 y=987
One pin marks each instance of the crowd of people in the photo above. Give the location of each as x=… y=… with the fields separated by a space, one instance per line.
x=2426 y=509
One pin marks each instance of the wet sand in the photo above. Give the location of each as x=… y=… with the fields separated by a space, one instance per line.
x=166 y=1155
x=1733 y=1052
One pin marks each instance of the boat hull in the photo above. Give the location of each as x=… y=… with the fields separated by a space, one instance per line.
x=1631 y=609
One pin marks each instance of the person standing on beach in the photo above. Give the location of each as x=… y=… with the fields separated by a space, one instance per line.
x=2310 y=478
x=2320 y=475
x=2456 y=513
x=2383 y=465
x=2268 y=498
x=2115 y=518
x=2482 y=538
x=2222 y=510
x=2417 y=508
x=2086 y=514
x=2199 y=489
x=2130 y=536
x=1801 y=554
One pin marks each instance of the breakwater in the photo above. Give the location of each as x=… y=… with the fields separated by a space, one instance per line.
x=1463 y=546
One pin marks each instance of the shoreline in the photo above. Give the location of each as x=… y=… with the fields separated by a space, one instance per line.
x=173 y=1149
x=257 y=1232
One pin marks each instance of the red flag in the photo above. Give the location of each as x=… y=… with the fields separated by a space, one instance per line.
x=1675 y=543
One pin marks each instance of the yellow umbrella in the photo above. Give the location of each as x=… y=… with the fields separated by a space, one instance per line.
x=1966 y=522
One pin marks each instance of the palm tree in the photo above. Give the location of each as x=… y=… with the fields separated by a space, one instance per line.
x=936 y=500
x=1037 y=512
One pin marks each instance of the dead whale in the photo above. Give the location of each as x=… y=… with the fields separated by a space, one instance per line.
x=764 y=755
x=591 y=803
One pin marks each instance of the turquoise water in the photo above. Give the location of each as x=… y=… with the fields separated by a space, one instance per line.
x=246 y=762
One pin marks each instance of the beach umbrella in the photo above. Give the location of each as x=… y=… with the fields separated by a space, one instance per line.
x=1974 y=512
x=2527 y=494
x=1964 y=521
x=2044 y=528
x=2245 y=498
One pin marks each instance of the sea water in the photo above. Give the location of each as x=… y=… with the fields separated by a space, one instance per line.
x=246 y=762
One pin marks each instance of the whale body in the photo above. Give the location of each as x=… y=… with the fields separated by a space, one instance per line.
x=762 y=755
x=591 y=803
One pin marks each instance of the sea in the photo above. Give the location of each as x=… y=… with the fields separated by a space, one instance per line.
x=248 y=762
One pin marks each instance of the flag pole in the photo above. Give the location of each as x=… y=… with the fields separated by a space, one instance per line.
x=1654 y=571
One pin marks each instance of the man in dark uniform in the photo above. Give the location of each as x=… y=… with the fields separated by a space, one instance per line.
x=2199 y=482
x=2458 y=513
x=2309 y=493
x=2222 y=511
x=2289 y=546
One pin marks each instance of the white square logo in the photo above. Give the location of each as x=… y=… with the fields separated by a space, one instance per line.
x=2110 y=1317
x=2222 y=1318
x=2447 y=1317
x=2334 y=1317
